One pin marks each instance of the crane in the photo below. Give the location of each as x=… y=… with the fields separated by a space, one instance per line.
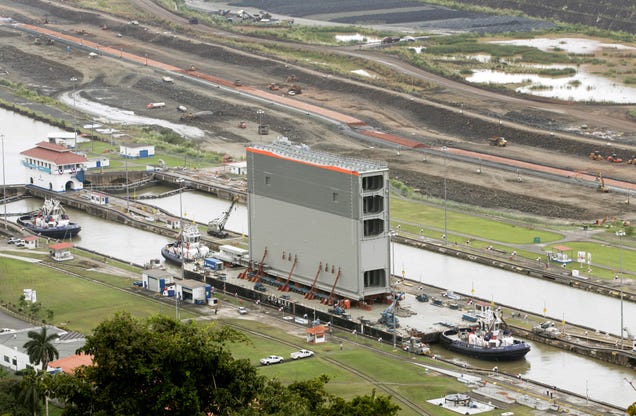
x=216 y=227
x=388 y=316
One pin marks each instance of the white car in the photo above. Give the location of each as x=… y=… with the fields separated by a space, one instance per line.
x=272 y=359
x=301 y=354
x=242 y=310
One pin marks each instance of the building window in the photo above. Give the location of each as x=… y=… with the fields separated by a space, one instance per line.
x=375 y=278
x=268 y=180
x=373 y=227
x=372 y=183
x=334 y=197
x=6 y=359
x=373 y=204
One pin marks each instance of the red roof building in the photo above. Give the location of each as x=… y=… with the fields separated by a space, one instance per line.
x=54 y=167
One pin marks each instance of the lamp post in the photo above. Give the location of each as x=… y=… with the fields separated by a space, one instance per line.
x=127 y=197
x=260 y=113
x=4 y=185
x=620 y=234
x=444 y=149
x=180 y=181
x=74 y=81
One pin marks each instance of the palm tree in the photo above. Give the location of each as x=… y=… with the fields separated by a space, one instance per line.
x=40 y=348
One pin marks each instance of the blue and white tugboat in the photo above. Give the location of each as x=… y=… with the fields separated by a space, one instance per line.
x=50 y=221
x=489 y=339
x=188 y=246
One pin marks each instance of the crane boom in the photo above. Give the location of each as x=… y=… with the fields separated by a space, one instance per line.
x=216 y=227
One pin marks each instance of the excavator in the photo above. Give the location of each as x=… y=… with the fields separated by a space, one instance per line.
x=216 y=227
x=596 y=155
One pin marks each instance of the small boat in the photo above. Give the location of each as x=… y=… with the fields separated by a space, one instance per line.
x=489 y=339
x=50 y=221
x=188 y=246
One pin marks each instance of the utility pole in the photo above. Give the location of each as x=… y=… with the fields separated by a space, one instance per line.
x=180 y=181
x=4 y=185
x=444 y=149
x=620 y=234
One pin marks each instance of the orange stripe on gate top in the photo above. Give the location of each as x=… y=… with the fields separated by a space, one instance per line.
x=272 y=154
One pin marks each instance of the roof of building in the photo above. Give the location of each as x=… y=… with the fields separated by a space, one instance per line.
x=70 y=363
x=60 y=246
x=66 y=344
x=135 y=145
x=190 y=284
x=30 y=238
x=54 y=153
x=286 y=149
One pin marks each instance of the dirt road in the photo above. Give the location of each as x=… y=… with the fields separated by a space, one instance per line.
x=449 y=114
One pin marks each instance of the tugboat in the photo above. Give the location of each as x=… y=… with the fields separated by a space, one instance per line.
x=188 y=246
x=50 y=221
x=489 y=339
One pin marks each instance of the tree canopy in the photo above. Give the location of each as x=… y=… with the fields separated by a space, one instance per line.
x=161 y=366
x=40 y=347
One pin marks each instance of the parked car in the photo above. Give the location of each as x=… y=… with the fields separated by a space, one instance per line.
x=14 y=240
x=297 y=355
x=242 y=310
x=260 y=287
x=272 y=359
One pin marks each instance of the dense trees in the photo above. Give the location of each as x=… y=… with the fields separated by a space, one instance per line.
x=165 y=367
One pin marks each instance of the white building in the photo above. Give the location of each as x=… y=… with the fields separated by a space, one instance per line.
x=237 y=168
x=54 y=167
x=14 y=356
x=136 y=151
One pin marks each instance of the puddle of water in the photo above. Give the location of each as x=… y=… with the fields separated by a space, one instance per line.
x=570 y=45
x=117 y=115
x=356 y=38
x=363 y=73
x=579 y=87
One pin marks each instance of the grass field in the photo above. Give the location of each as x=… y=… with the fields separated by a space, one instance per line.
x=77 y=303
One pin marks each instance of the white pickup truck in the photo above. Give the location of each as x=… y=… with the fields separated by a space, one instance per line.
x=301 y=354
x=272 y=359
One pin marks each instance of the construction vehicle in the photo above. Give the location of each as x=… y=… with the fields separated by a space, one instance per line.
x=547 y=329
x=274 y=86
x=498 y=141
x=216 y=227
x=614 y=159
x=596 y=155
x=388 y=317
x=294 y=89
x=150 y=106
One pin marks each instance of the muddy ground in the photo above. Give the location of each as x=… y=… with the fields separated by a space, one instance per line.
x=530 y=125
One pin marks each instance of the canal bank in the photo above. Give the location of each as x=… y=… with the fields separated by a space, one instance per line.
x=119 y=214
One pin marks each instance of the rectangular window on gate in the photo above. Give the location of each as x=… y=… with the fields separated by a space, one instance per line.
x=375 y=278
x=268 y=180
x=373 y=227
x=372 y=183
x=373 y=204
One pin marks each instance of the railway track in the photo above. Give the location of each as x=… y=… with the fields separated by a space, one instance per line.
x=398 y=397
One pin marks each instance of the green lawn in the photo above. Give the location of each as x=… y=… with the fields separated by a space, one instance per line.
x=78 y=304
x=412 y=216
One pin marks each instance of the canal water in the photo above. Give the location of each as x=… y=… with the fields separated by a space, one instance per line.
x=552 y=366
